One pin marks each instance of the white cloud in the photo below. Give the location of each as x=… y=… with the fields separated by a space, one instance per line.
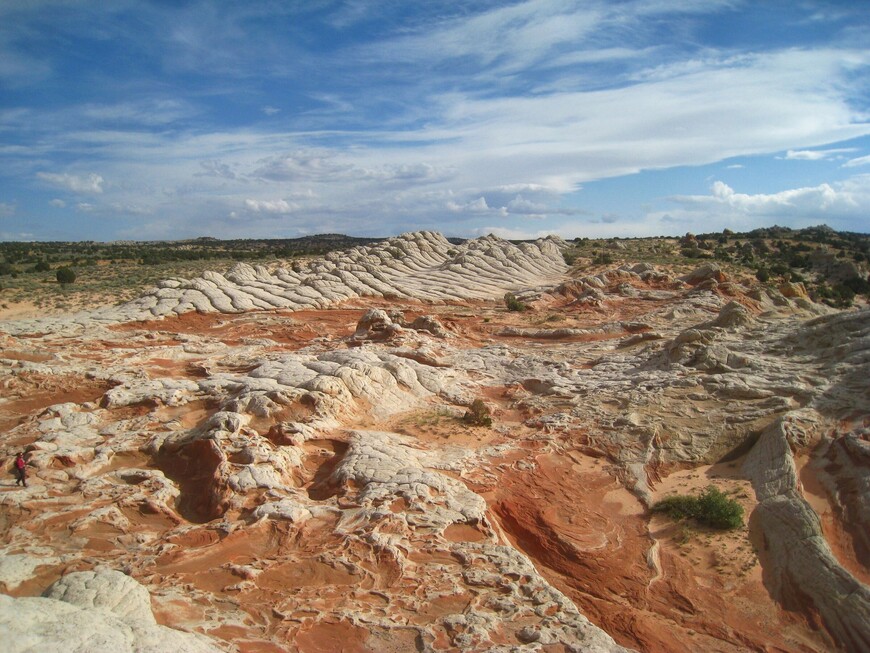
x=130 y=209
x=416 y=173
x=148 y=112
x=521 y=205
x=822 y=198
x=818 y=155
x=536 y=35
x=842 y=205
x=57 y=203
x=735 y=166
x=21 y=69
x=93 y=183
x=511 y=157
x=320 y=165
x=271 y=206
x=860 y=161
x=476 y=207
x=510 y=234
x=215 y=168
x=6 y=210
x=85 y=207
x=512 y=116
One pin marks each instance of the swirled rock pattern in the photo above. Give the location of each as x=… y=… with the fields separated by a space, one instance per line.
x=278 y=460
x=422 y=265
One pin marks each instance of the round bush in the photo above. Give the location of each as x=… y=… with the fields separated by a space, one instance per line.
x=65 y=276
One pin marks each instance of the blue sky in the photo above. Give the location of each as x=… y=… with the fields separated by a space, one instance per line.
x=266 y=118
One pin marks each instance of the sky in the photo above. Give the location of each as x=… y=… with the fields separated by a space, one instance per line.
x=174 y=119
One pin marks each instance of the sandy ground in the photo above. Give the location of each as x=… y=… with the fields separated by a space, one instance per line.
x=20 y=310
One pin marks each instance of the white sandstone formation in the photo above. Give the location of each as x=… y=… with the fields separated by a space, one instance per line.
x=422 y=265
x=92 y=612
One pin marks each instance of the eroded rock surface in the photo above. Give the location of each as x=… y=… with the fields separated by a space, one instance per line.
x=90 y=611
x=280 y=460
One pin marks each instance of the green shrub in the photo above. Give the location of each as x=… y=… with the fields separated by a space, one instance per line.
x=477 y=414
x=838 y=296
x=762 y=275
x=65 y=276
x=514 y=304
x=712 y=508
x=858 y=285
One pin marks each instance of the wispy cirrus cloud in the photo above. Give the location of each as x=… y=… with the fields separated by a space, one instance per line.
x=818 y=155
x=859 y=161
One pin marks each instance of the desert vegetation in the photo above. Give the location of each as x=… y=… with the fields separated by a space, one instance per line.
x=712 y=508
x=832 y=265
x=118 y=271
x=478 y=414
x=513 y=304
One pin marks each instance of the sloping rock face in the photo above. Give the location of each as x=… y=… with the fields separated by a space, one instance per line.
x=91 y=611
x=301 y=478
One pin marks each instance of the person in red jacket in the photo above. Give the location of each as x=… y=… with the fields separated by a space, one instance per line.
x=21 y=470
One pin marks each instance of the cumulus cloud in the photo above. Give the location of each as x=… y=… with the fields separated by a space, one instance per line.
x=518 y=206
x=526 y=207
x=6 y=210
x=477 y=206
x=270 y=110
x=417 y=173
x=92 y=183
x=271 y=206
x=842 y=204
x=802 y=200
x=57 y=203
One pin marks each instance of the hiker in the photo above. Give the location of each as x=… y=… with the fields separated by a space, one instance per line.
x=21 y=470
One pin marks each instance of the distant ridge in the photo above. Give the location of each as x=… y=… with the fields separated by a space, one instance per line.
x=423 y=265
